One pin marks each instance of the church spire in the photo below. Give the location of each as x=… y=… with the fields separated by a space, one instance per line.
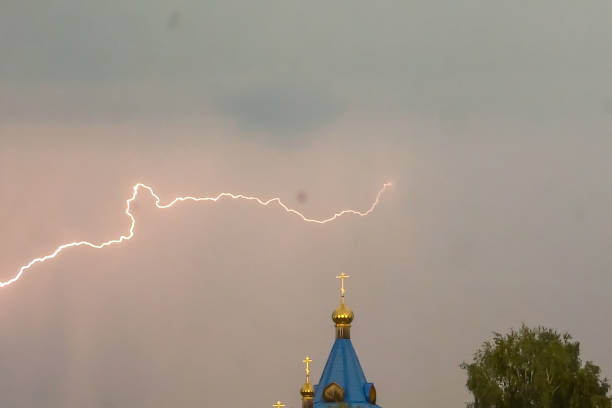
x=343 y=316
x=343 y=382
x=307 y=389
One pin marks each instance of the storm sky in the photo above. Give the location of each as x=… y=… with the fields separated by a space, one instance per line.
x=492 y=119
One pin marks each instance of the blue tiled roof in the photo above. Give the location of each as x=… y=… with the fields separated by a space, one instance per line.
x=343 y=368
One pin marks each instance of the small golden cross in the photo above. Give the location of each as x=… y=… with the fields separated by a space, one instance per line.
x=307 y=361
x=342 y=277
x=278 y=404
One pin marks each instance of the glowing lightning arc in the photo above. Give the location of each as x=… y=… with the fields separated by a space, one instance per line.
x=137 y=188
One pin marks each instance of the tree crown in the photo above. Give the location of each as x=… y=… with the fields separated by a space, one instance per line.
x=534 y=368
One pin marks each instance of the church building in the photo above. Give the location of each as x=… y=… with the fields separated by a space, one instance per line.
x=343 y=383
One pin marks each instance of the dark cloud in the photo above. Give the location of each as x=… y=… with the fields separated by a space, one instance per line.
x=546 y=60
x=174 y=20
x=282 y=112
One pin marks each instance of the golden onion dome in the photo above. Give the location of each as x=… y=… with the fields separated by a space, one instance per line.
x=307 y=390
x=343 y=315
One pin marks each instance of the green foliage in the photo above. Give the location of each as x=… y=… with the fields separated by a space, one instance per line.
x=534 y=368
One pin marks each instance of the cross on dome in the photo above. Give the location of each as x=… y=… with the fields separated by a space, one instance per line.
x=307 y=361
x=342 y=277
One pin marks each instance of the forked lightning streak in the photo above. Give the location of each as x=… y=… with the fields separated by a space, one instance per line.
x=140 y=186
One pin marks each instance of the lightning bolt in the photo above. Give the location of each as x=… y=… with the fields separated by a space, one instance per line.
x=140 y=186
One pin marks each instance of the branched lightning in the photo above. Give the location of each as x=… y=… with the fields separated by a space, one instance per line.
x=140 y=186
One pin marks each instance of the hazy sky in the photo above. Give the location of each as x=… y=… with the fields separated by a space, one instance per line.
x=493 y=119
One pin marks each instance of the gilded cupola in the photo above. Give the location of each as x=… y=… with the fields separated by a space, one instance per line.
x=343 y=315
x=307 y=389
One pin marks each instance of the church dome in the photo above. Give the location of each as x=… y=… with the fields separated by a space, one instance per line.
x=342 y=315
x=307 y=390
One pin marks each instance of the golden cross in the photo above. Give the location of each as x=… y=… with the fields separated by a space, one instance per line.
x=278 y=404
x=342 y=277
x=307 y=361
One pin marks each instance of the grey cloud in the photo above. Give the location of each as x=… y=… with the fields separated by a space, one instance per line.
x=282 y=109
x=549 y=58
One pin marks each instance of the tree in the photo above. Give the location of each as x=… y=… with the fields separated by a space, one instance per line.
x=534 y=368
